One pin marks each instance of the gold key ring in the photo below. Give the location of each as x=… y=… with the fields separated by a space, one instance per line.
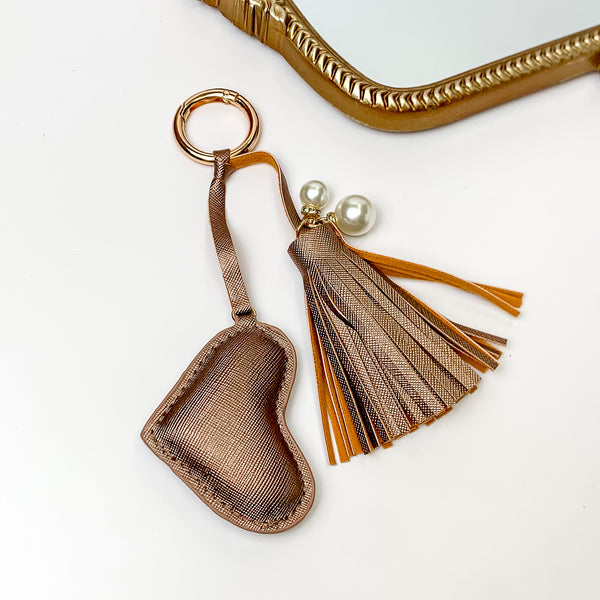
x=206 y=97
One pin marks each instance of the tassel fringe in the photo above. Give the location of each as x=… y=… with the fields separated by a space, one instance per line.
x=385 y=362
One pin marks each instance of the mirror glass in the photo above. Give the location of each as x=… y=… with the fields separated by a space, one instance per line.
x=400 y=43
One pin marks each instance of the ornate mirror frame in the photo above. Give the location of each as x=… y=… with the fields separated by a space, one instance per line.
x=280 y=25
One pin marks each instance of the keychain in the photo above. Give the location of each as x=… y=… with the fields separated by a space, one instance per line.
x=385 y=362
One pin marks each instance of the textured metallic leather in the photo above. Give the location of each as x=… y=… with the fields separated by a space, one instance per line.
x=222 y=428
x=386 y=363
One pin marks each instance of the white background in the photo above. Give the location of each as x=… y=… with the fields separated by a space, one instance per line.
x=110 y=286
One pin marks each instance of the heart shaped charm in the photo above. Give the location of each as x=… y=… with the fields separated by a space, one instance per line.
x=222 y=429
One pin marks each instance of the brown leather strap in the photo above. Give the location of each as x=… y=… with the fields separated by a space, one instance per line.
x=232 y=275
x=255 y=158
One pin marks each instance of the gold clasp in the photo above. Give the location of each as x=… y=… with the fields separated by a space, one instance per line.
x=311 y=218
x=206 y=97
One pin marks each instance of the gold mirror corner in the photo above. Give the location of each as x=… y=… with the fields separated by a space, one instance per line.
x=281 y=25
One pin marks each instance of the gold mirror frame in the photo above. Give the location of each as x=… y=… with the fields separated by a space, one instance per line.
x=280 y=25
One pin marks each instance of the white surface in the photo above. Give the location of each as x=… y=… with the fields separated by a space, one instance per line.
x=110 y=286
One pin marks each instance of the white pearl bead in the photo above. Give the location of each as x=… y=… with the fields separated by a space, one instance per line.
x=314 y=193
x=355 y=215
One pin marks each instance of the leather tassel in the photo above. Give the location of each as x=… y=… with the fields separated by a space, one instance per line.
x=385 y=362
